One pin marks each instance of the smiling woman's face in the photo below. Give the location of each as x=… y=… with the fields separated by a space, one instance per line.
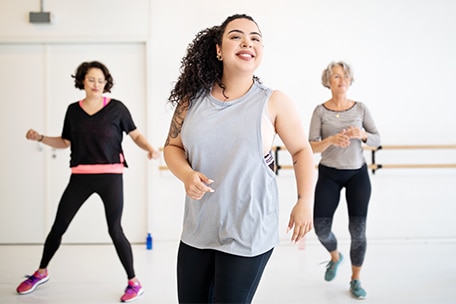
x=94 y=82
x=242 y=45
x=340 y=80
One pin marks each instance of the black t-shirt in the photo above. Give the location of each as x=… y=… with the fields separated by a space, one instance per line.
x=97 y=138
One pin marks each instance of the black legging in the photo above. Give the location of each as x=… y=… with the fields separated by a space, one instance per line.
x=327 y=194
x=211 y=276
x=81 y=186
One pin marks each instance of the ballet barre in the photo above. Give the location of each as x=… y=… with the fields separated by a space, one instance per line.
x=374 y=166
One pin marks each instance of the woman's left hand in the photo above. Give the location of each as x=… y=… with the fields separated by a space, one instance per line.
x=153 y=154
x=354 y=132
x=301 y=221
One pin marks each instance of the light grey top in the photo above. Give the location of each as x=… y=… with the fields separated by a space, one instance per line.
x=223 y=141
x=326 y=122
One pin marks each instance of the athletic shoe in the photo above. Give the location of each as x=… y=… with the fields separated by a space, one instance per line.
x=356 y=290
x=331 y=268
x=132 y=292
x=32 y=282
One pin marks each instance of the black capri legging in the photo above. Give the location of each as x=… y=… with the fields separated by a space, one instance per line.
x=327 y=195
x=81 y=186
x=211 y=276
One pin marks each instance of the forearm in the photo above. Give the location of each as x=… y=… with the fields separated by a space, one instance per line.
x=176 y=161
x=372 y=139
x=320 y=146
x=142 y=142
x=304 y=169
x=56 y=142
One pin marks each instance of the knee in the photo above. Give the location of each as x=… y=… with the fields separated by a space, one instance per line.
x=115 y=231
x=58 y=229
x=322 y=227
x=357 y=228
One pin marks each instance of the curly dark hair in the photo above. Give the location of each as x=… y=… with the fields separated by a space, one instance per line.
x=82 y=70
x=200 y=68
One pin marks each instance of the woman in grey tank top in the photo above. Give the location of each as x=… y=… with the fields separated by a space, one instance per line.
x=216 y=147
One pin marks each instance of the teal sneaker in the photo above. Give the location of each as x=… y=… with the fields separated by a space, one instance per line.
x=331 y=268
x=356 y=290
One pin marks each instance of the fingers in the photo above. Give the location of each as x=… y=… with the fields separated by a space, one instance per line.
x=198 y=189
x=198 y=193
x=354 y=132
x=153 y=154
x=299 y=231
x=32 y=135
x=156 y=154
x=28 y=135
x=342 y=140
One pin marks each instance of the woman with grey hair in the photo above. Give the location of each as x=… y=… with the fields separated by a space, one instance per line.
x=338 y=129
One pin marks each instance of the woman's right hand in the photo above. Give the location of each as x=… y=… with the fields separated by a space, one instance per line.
x=341 y=139
x=32 y=135
x=196 y=185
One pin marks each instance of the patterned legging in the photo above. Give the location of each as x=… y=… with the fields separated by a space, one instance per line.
x=327 y=195
x=81 y=186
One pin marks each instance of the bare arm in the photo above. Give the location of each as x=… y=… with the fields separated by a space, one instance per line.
x=174 y=154
x=144 y=144
x=54 y=141
x=290 y=129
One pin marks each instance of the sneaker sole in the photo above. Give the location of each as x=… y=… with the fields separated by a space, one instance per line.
x=34 y=286
x=358 y=298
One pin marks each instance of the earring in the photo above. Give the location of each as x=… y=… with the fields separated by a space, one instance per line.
x=219 y=57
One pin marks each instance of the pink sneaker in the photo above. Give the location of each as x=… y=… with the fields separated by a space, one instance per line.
x=132 y=292
x=32 y=282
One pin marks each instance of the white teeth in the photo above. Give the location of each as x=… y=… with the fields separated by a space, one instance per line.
x=245 y=55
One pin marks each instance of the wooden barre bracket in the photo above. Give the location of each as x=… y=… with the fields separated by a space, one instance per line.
x=412 y=166
x=411 y=147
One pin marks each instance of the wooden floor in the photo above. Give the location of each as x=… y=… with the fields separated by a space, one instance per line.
x=408 y=271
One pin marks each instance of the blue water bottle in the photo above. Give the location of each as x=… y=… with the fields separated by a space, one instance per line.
x=149 y=242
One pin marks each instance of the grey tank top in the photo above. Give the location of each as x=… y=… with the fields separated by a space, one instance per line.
x=223 y=141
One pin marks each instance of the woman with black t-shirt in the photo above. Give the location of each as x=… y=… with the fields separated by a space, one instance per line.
x=93 y=129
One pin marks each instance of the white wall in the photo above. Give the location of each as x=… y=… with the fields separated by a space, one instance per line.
x=402 y=52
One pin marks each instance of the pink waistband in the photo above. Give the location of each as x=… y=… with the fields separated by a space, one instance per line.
x=98 y=169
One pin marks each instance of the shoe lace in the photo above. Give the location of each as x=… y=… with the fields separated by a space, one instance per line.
x=131 y=289
x=30 y=278
x=356 y=285
x=329 y=264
